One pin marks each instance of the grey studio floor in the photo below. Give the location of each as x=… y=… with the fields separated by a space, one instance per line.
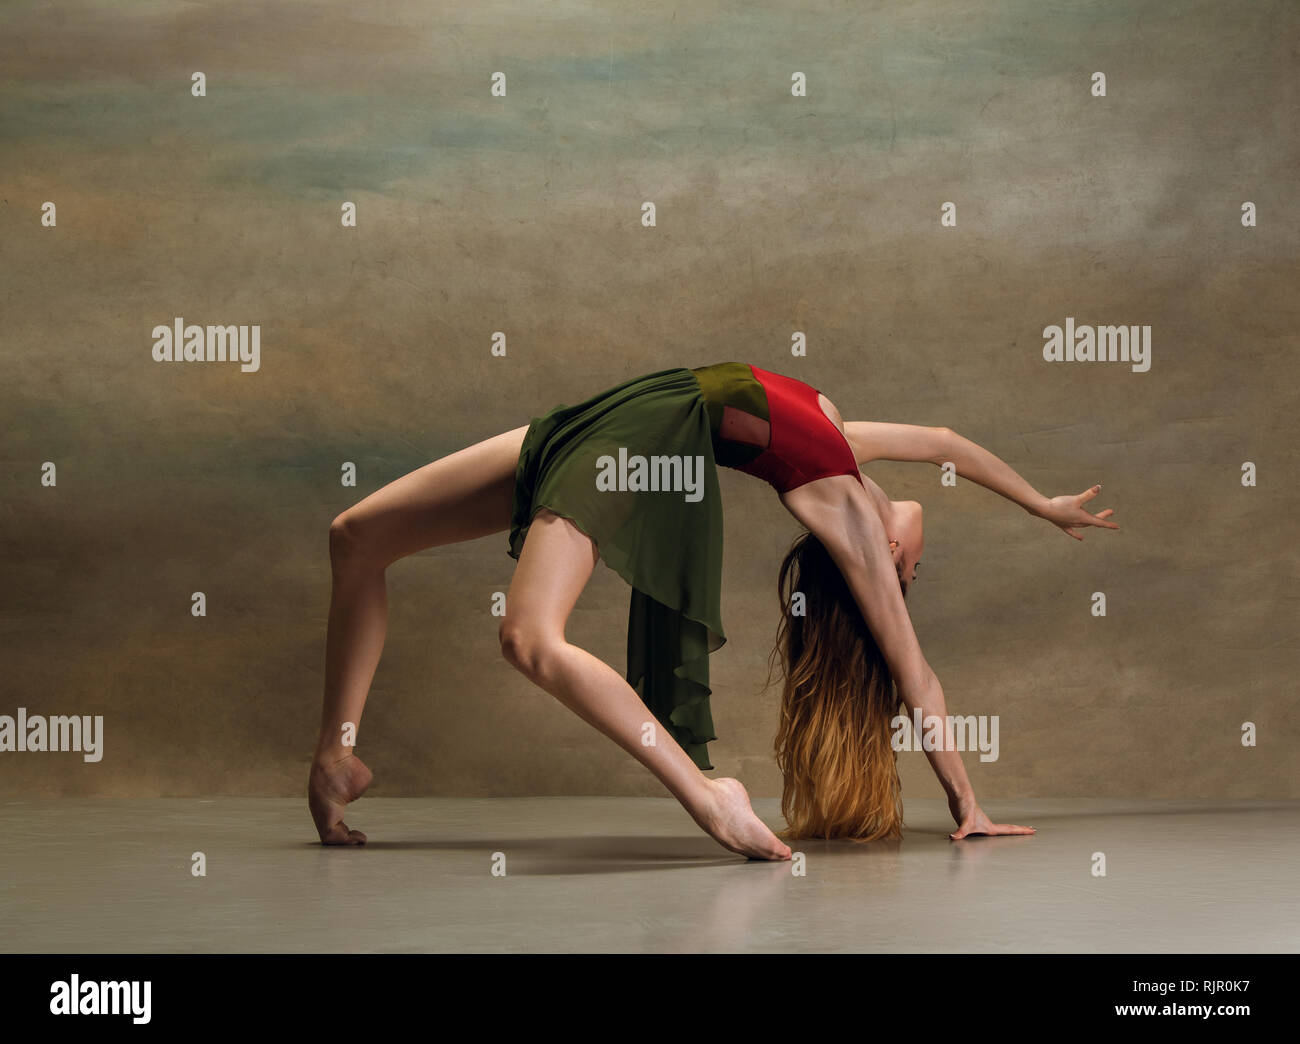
x=636 y=875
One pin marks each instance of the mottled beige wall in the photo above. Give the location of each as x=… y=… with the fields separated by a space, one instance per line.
x=521 y=214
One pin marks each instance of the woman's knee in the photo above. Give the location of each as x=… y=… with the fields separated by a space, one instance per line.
x=529 y=649
x=345 y=541
x=354 y=542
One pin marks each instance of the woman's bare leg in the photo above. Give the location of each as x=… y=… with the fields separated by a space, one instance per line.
x=460 y=497
x=556 y=562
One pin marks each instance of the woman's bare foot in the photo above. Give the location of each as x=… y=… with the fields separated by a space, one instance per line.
x=331 y=787
x=731 y=822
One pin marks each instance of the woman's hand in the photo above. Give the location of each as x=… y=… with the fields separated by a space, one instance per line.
x=971 y=820
x=1065 y=512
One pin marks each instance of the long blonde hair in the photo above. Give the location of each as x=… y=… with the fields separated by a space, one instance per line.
x=833 y=743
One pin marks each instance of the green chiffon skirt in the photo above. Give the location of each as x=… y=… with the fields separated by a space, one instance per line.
x=665 y=543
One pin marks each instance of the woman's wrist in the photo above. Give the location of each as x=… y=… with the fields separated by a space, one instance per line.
x=1037 y=504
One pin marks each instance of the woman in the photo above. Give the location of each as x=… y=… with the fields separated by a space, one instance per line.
x=630 y=475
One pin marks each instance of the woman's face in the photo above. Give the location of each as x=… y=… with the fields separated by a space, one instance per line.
x=906 y=539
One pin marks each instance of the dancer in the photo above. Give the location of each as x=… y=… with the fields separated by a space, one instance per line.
x=630 y=475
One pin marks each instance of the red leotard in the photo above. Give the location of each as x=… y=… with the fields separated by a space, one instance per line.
x=803 y=442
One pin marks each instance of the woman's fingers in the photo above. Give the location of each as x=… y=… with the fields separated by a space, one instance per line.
x=1085 y=519
x=1100 y=522
x=1099 y=518
x=992 y=830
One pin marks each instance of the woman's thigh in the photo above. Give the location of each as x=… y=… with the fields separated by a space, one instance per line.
x=462 y=496
x=554 y=567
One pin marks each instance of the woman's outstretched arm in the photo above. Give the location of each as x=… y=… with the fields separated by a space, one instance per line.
x=839 y=512
x=878 y=440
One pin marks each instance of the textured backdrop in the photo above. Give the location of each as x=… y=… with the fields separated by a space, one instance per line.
x=775 y=213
